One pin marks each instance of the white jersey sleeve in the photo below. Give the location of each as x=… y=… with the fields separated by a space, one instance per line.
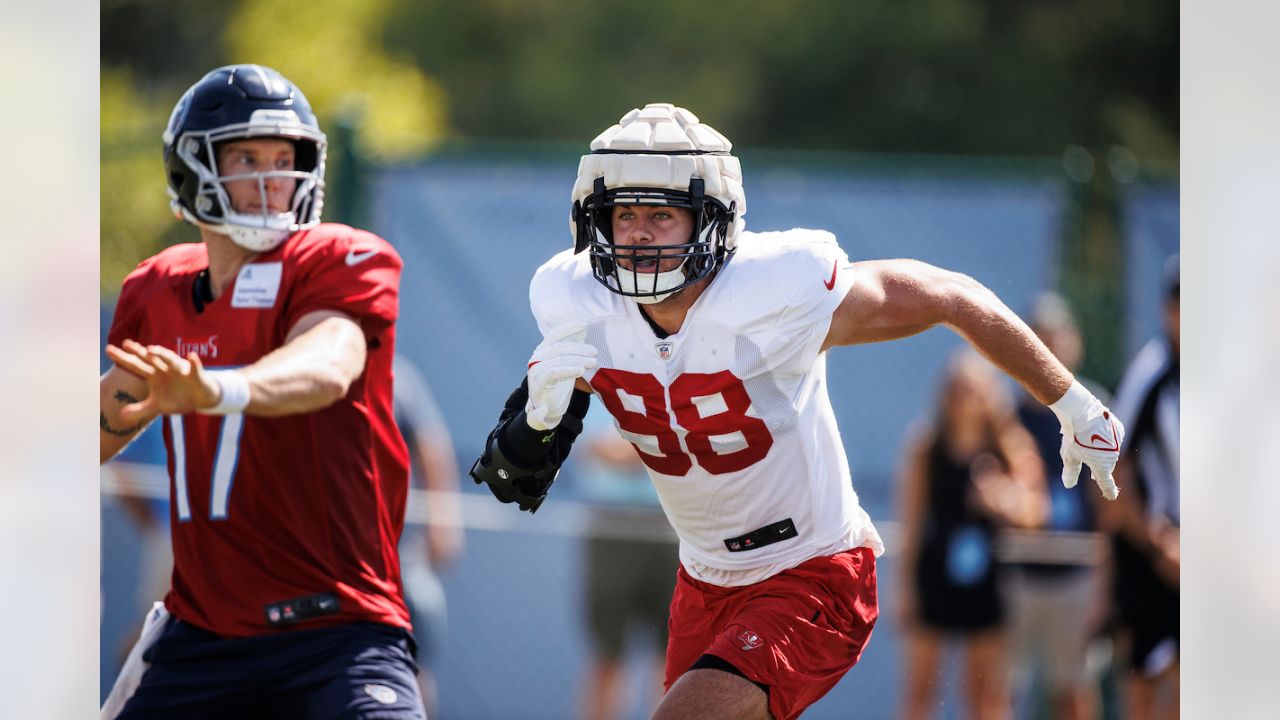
x=563 y=291
x=785 y=288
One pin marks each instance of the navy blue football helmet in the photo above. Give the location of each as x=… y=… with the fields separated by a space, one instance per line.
x=238 y=102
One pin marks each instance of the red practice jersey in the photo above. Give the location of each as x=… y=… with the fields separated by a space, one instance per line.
x=268 y=511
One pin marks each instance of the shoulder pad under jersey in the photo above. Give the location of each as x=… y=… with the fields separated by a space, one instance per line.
x=564 y=291
x=353 y=245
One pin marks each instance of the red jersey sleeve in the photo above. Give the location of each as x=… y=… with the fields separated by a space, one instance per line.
x=126 y=322
x=347 y=270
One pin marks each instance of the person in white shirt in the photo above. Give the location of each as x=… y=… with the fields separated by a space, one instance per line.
x=706 y=343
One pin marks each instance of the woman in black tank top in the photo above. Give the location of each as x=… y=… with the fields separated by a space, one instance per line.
x=973 y=471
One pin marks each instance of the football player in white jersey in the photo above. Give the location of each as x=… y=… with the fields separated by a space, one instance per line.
x=706 y=343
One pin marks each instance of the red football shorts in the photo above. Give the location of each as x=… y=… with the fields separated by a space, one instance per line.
x=797 y=632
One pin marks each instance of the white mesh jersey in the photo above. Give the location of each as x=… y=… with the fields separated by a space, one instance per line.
x=731 y=414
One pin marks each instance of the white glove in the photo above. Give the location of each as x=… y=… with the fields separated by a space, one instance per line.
x=556 y=364
x=1091 y=435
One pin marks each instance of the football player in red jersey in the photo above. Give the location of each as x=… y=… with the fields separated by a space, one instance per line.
x=266 y=350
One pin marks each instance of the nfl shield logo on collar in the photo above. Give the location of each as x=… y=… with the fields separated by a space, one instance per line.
x=664 y=349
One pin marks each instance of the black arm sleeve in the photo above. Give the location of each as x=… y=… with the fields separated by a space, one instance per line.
x=520 y=463
x=530 y=447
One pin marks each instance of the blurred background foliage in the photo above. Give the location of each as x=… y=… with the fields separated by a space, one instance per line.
x=992 y=77
x=1092 y=84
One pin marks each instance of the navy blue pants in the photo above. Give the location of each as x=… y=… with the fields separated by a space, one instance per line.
x=363 y=671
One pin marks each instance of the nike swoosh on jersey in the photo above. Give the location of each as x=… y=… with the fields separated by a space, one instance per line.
x=355 y=258
x=831 y=284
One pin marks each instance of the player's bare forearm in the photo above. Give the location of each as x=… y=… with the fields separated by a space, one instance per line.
x=897 y=298
x=1002 y=337
x=116 y=389
x=324 y=354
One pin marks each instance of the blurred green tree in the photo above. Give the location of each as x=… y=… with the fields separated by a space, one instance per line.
x=333 y=50
x=135 y=218
x=992 y=77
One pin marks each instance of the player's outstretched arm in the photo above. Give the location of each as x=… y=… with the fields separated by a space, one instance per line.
x=323 y=354
x=116 y=389
x=897 y=298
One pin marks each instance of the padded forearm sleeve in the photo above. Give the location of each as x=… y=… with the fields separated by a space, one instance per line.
x=519 y=464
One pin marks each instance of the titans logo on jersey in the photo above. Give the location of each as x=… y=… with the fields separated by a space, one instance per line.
x=730 y=415
x=299 y=514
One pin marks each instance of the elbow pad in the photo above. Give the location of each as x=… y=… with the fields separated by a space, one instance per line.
x=519 y=464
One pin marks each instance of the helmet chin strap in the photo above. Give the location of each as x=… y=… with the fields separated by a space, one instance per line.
x=257 y=239
x=664 y=284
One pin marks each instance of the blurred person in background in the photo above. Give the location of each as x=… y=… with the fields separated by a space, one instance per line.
x=288 y=475
x=431 y=544
x=632 y=557
x=706 y=343
x=970 y=473
x=1146 y=526
x=149 y=515
x=1057 y=607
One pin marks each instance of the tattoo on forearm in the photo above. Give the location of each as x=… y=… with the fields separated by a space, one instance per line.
x=106 y=426
x=124 y=397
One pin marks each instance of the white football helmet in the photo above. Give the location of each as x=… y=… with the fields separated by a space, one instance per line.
x=659 y=155
x=232 y=103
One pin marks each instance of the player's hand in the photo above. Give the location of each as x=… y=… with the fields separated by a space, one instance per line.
x=1091 y=435
x=177 y=385
x=555 y=366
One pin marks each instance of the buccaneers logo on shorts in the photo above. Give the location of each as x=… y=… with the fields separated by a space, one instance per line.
x=750 y=640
